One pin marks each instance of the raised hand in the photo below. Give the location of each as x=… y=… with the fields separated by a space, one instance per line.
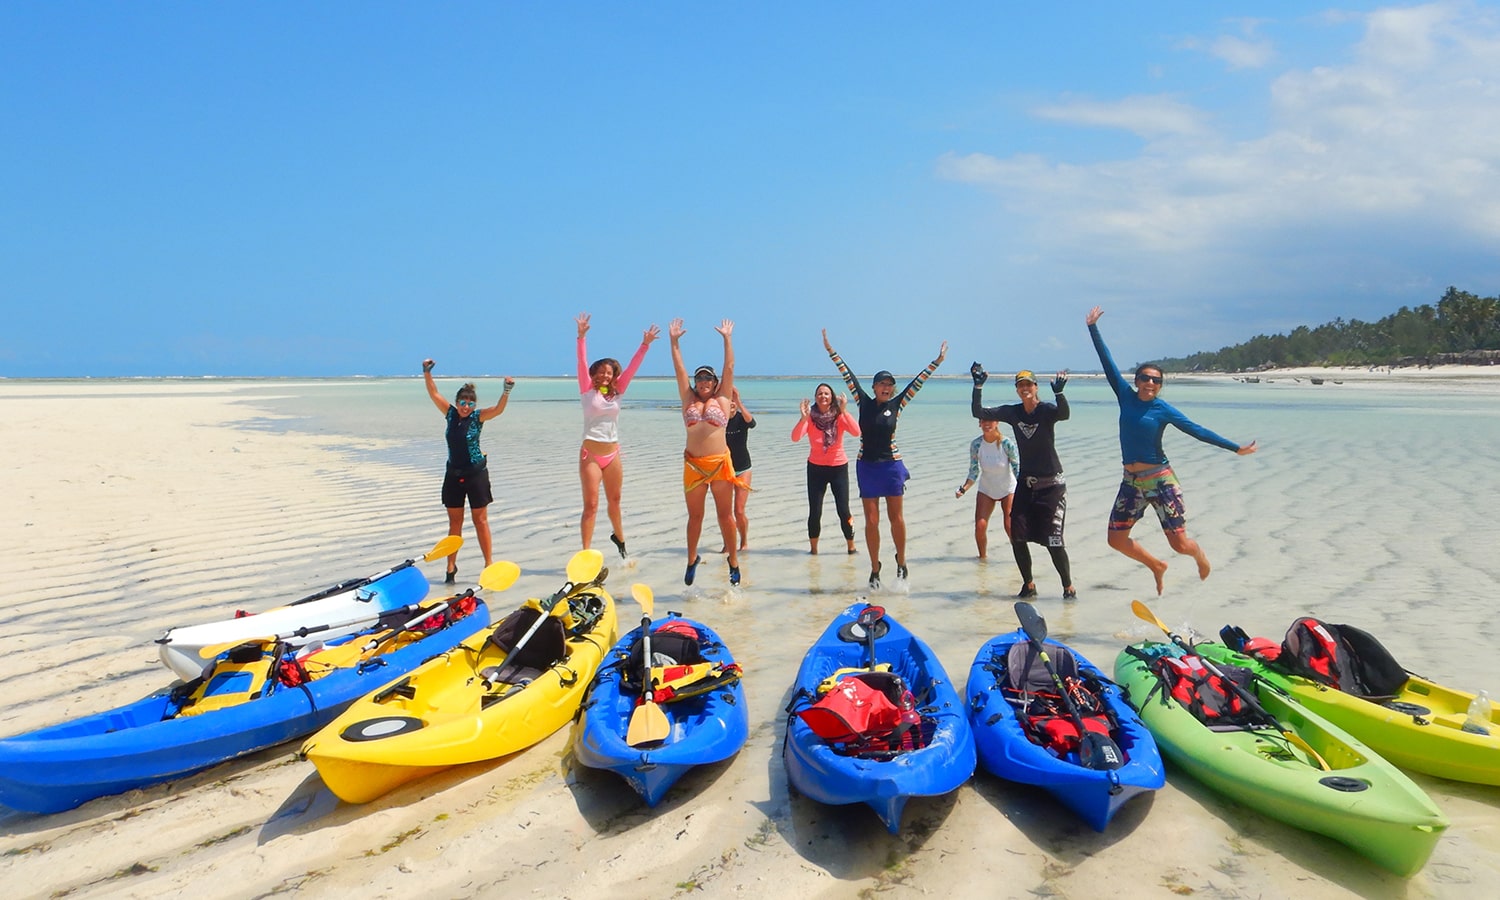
x=427 y=365
x=583 y=324
x=806 y=408
x=826 y=346
x=1060 y=382
x=977 y=372
x=725 y=328
x=675 y=331
x=942 y=353
x=1094 y=315
x=650 y=334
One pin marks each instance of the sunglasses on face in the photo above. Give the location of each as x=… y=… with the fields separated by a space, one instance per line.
x=466 y=403
x=1153 y=379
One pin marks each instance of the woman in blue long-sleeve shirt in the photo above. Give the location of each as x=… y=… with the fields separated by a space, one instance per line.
x=1148 y=479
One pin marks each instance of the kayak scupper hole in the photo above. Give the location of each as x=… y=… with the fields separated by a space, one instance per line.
x=1344 y=783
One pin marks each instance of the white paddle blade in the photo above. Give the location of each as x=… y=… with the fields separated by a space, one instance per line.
x=643 y=595
x=584 y=566
x=498 y=576
x=445 y=547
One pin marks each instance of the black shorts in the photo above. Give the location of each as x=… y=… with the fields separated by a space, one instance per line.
x=472 y=485
x=1037 y=514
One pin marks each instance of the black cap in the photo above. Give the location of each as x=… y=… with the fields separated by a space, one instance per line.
x=705 y=370
x=883 y=375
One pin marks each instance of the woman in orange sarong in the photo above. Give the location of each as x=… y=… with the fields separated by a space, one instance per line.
x=707 y=468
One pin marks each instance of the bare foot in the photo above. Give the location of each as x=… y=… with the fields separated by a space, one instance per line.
x=723 y=549
x=744 y=546
x=1203 y=566
x=1160 y=574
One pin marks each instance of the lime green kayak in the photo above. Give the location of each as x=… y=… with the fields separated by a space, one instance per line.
x=1420 y=729
x=1359 y=799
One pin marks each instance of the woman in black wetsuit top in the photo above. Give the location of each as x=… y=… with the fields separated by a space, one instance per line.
x=879 y=469
x=467 y=477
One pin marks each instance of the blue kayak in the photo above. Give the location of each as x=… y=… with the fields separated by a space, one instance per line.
x=704 y=707
x=1001 y=690
x=248 y=701
x=929 y=760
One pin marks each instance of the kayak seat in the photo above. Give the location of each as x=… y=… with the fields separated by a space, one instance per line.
x=547 y=647
x=1342 y=657
x=1025 y=673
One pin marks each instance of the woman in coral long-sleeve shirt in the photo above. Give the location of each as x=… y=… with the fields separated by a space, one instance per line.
x=825 y=421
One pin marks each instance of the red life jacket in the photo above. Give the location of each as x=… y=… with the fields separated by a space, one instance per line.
x=860 y=714
x=1204 y=694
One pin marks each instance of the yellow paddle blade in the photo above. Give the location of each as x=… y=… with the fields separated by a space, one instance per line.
x=213 y=650
x=499 y=575
x=1142 y=611
x=445 y=547
x=647 y=724
x=584 y=566
x=643 y=595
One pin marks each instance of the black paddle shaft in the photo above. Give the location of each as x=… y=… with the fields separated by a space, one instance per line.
x=1095 y=750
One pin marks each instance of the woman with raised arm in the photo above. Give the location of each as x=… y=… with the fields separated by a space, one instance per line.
x=879 y=469
x=467 y=477
x=825 y=421
x=1148 y=479
x=601 y=385
x=707 y=466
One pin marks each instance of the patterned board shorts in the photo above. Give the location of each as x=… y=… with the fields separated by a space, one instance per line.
x=1156 y=487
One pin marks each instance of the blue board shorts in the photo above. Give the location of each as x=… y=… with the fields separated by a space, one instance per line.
x=881 y=479
x=1156 y=487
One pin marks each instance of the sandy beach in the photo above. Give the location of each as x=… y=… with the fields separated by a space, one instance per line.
x=135 y=506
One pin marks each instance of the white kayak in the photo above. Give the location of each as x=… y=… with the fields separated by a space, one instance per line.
x=342 y=609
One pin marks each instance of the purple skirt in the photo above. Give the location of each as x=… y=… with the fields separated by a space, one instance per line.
x=881 y=479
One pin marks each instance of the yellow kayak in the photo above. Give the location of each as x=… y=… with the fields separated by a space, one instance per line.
x=498 y=692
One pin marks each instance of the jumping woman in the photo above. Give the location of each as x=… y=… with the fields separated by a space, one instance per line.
x=601 y=385
x=707 y=467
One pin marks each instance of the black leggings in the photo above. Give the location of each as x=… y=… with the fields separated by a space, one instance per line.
x=1059 y=559
x=819 y=478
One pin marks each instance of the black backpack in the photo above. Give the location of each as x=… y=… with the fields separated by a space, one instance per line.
x=1342 y=657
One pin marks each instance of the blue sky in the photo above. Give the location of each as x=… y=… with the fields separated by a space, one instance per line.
x=346 y=188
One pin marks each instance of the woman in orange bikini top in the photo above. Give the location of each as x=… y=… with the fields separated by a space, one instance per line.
x=706 y=464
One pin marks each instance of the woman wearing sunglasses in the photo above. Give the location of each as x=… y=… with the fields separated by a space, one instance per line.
x=707 y=466
x=1148 y=479
x=601 y=386
x=467 y=477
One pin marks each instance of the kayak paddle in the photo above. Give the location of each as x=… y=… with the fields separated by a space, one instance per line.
x=496 y=577
x=1143 y=612
x=866 y=620
x=647 y=723
x=1095 y=750
x=444 y=547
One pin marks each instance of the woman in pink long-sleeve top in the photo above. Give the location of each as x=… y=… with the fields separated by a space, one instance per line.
x=600 y=387
x=825 y=421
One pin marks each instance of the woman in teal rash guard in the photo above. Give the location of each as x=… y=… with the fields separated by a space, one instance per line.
x=1148 y=476
x=467 y=477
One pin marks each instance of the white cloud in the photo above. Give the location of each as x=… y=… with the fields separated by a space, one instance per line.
x=1364 y=166
x=1241 y=53
x=1147 y=116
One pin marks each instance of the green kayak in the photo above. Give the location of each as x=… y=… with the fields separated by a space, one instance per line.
x=1416 y=724
x=1359 y=799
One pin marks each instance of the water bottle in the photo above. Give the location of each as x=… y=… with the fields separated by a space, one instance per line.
x=1478 y=720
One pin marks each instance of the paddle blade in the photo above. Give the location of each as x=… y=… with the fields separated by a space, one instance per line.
x=1097 y=751
x=1031 y=621
x=445 y=547
x=584 y=566
x=1143 y=612
x=647 y=724
x=498 y=576
x=644 y=596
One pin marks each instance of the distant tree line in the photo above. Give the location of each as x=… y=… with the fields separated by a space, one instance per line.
x=1461 y=328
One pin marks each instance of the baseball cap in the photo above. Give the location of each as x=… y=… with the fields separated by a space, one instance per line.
x=1025 y=375
x=883 y=375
